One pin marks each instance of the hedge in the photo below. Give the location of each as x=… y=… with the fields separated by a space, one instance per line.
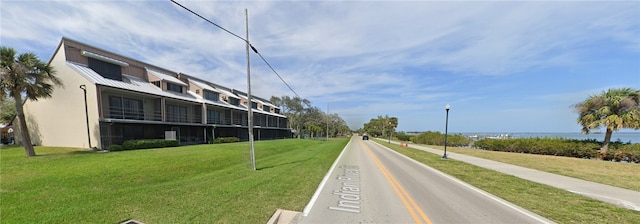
x=403 y=136
x=146 y=144
x=437 y=138
x=113 y=148
x=625 y=152
x=226 y=140
x=587 y=149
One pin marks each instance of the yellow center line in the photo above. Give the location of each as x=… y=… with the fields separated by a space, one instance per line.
x=411 y=206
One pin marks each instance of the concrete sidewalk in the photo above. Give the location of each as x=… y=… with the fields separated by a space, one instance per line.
x=614 y=195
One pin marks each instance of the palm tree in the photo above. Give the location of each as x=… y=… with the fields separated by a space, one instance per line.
x=613 y=109
x=26 y=75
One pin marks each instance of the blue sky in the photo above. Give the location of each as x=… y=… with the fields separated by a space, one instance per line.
x=502 y=66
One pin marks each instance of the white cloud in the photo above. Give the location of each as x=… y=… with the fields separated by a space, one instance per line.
x=335 y=51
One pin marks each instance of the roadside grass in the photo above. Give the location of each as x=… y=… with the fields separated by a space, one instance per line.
x=623 y=175
x=558 y=205
x=191 y=184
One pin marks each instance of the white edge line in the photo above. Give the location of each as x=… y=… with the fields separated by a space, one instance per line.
x=616 y=201
x=491 y=196
x=307 y=208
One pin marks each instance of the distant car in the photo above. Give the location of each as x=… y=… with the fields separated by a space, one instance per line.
x=365 y=137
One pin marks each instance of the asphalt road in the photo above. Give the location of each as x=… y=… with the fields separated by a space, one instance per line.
x=372 y=184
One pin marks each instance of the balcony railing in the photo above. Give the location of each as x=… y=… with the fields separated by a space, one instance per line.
x=223 y=119
x=133 y=114
x=182 y=118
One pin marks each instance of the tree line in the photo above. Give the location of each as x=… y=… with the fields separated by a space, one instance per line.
x=306 y=120
x=381 y=126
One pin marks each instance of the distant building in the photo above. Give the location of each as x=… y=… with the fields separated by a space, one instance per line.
x=128 y=99
x=6 y=134
x=414 y=133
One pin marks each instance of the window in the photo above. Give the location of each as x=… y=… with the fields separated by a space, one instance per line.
x=276 y=110
x=197 y=114
x=266 y=108
x=157 y=83
x=240 y=118
x=260 y=120
x=115 y=107
x=254 y=105
x=176 y=113
x=213 y=117
x=125 y=108
x=209 y=95
x=106 y=69
x=234 y=101
x=132 y=109
x=174 y=87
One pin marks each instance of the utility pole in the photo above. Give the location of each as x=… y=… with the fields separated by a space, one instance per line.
x=250 y=103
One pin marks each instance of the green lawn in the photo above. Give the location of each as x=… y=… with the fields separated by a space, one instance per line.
x=558 y=205
x=215 y=184
x=623 y=175
x=191 y=184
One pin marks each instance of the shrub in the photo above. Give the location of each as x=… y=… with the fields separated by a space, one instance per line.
x=148 y=143
x=403 y=136
x=624 y=152
x=437 y=138
x=587 y=149
x=226 y=140
x=113 y=148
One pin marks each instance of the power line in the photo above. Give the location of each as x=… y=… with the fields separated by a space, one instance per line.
x=205 y=19
x=252 y=47
x=274 y=71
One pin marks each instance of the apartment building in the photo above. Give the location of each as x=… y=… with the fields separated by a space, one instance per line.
x=108 y=99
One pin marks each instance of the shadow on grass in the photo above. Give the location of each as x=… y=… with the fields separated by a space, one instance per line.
x=3 y=147
x=82 y=152
x=282 y=164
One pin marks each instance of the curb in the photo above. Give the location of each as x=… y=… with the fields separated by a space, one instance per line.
x=282 y=216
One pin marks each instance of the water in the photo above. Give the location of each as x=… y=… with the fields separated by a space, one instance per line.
x=633 y=137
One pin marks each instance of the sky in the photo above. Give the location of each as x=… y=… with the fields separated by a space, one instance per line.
x=503 y=66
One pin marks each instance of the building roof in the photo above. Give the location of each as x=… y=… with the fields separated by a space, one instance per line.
x=227 y=93
x=203 y=85
x=104 y=58
x=140 y=85
x=128 y=83
x=165 y=77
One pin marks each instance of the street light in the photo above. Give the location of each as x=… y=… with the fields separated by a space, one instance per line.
x=390 y=131
x=446 y=127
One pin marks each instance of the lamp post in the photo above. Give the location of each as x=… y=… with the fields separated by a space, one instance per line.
x=86 y=113
x=327 y=121
x=390 y=131
x=446 y=127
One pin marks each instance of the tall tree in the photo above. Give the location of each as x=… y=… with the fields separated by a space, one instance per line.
x=381 y=126
x=26 y=75
x=294 y=108
x=612 y=109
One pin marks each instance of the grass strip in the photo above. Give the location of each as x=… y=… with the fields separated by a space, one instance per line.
x=191 y=184
x=558 y=205
x=623 y=175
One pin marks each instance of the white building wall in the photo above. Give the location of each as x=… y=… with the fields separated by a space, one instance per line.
x=60 y=120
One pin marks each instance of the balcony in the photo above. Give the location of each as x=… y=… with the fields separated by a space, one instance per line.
x=131 y=107
x=183 y=113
